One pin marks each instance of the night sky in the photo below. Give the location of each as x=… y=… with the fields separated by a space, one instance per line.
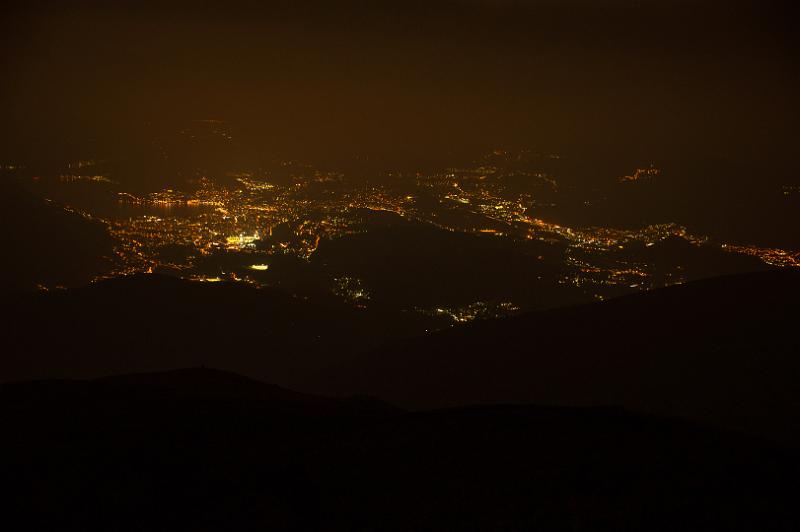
x=411 y=82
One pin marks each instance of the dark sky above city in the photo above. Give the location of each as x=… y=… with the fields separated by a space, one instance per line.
x=410 y=80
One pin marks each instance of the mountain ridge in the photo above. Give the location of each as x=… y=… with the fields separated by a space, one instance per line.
x=133 y=460
x=694 y=350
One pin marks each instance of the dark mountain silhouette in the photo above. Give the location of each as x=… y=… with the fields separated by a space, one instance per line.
x=43 y=243
x=152 y=322
x=416 y=264
x=693 y=261
x=208 y=450
x=192 y=384
x=720 y=350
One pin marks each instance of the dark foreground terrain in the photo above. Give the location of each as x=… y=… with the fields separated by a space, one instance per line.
x=722 y=351
x=208 y=450
x=676 y=409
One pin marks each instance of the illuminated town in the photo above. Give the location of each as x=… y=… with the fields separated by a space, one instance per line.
x=254 y=220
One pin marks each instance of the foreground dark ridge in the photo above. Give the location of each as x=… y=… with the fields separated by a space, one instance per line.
x=154 y=323
x=207 y=450
x=720 y=350
x=191 y=384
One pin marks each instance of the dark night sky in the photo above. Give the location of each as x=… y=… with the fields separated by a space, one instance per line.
x=411 y=80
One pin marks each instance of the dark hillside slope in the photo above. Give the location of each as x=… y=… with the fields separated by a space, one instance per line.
x=155 y=323
x=44 y=244
x=724 y=350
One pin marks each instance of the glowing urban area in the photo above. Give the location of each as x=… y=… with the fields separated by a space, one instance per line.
x=235 y=225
